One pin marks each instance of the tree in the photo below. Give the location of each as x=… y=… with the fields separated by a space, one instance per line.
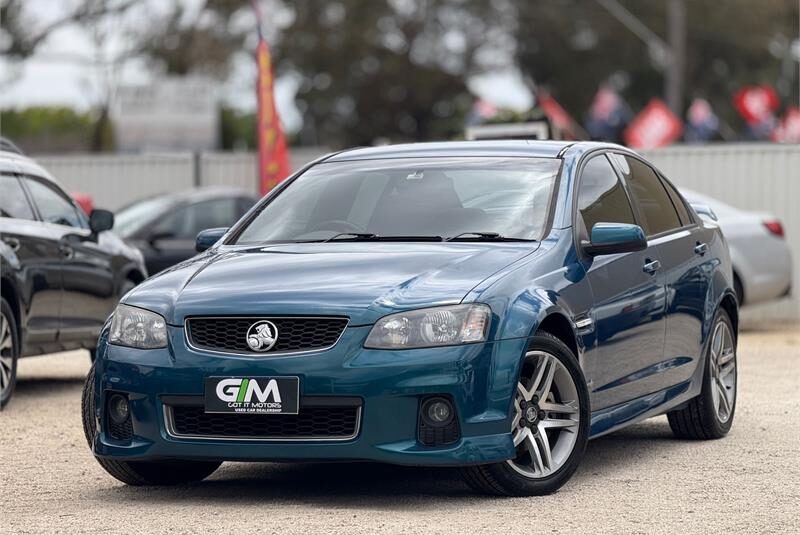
x=372 y=69
x=192 y=38
x=571 y=46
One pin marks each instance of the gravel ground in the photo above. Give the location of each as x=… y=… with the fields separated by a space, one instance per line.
x=640 y=480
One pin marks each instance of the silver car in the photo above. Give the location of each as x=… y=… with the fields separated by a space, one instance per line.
x=762 y=263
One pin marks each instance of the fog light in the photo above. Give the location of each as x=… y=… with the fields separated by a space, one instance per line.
x=437 y=411
x=118 y=409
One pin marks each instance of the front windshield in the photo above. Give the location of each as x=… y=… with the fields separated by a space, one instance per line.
x=413 y=197
x=133 y=217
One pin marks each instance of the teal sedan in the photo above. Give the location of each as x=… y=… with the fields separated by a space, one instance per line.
x=489 y=306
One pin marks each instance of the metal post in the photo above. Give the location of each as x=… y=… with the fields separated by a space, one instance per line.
x=197 y=173
x=676 y=35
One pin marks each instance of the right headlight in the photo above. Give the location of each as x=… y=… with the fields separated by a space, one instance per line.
x=137 y=327
x=431 y=327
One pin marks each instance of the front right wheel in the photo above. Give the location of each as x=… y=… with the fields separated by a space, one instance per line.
x=550 y=425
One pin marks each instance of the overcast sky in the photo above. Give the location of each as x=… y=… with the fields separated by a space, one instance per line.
x=54 y=76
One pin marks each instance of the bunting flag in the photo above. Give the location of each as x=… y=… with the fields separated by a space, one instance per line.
x=273 y=154
x=655 y=126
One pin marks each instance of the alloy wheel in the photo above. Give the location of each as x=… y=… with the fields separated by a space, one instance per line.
x=546 y=416
x=6 y=355
x=723 y=371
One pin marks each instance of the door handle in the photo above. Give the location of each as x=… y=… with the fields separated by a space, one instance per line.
x=13 y=243
x=700 y=249
x=651 y=266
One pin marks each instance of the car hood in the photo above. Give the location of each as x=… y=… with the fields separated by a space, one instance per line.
x=364 y=280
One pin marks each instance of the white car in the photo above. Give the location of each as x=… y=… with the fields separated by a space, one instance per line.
x=762 y=263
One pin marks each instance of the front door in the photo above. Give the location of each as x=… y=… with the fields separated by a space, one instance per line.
x=36 y=249
x=87 y=274
x=628 y=293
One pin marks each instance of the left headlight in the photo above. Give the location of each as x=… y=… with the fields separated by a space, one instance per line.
x=431 y=327
x=139 y=328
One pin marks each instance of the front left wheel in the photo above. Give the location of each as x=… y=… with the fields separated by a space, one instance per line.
x=550 y=425
x=140 y=473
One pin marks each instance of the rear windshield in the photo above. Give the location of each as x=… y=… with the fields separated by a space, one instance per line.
x=443 y=197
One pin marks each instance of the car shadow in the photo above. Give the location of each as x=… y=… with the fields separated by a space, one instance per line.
x=380 y=486
x=43 y=386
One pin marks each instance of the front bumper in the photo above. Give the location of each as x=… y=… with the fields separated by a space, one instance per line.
x=479 y=379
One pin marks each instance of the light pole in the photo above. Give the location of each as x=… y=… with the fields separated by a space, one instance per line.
x=672 y=53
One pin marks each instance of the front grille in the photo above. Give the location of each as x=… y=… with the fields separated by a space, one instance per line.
x=312 y=423
x=294 y=333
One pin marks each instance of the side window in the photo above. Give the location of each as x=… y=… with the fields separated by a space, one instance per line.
x=601 y=197
x=678 y=202
x=13 y=202
x=655 y=207
x=53 y=205
x=188 y=221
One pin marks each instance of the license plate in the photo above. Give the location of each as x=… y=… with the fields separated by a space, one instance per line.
x=252 y=395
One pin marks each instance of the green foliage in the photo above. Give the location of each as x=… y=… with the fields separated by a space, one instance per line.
x=46 y=129
x=237 y=130
x=371 y=70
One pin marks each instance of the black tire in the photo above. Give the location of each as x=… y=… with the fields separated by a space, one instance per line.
x=698 y=419
x=500 y=479
x=8 y=325
x=140 y=473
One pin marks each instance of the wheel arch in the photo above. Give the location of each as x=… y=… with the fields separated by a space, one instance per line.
x=557 y=324
x=10 y=294
x=729 y=305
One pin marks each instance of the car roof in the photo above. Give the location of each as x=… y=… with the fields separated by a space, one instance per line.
x=195 y=195
x=506 y=148
x=13 y=162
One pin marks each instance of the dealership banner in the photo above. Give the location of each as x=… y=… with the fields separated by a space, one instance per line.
x=655 y=126
x=273 y=154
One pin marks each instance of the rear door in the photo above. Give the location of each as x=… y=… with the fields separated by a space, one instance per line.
x=87 y=271
x=683 y=252
x=37 y=250
x=628 y=293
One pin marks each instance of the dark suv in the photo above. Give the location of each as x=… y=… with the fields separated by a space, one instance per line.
x=61 y=275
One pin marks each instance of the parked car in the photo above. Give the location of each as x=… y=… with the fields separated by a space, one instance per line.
x=164 y=227
x=762 y=262
x=374 y=307
x=61 y=273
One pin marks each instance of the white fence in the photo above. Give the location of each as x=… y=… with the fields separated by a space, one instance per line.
x=758 y=177
x=116 y=180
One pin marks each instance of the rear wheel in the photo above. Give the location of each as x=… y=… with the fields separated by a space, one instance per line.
x=140 y=472
x=9 y=352
x=550 y=425
x=710 y=415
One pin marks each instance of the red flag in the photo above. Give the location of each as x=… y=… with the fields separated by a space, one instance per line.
x=655 y=126
x=273 y=154
x=557 y=115
x=756 y=104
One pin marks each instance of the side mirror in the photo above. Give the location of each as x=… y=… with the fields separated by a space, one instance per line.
x=614 y=238
x=100 y=221
x=208 y=237
x=704 y=210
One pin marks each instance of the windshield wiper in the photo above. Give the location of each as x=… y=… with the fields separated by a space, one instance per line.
x=368 y=236
x=352 y=236
x=481 y=236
